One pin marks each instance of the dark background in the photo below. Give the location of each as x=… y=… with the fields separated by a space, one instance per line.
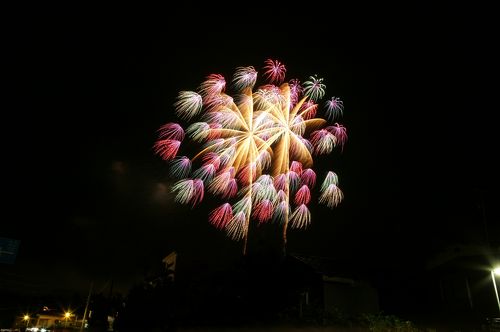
x=89 y=200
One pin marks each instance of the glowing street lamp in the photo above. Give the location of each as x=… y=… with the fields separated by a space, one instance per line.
x=496 y=272
x=67 y=316
x=26 y=318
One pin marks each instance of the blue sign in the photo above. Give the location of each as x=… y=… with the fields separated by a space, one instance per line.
x=8 y=250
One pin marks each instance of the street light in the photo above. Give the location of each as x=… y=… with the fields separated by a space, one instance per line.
x=496 y=272
x=67 y=315
x=27 y=319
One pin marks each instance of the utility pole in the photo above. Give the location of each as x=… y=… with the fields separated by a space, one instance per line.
x=86 y=307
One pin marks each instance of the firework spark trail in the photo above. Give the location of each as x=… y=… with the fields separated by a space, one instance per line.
x=253 y=151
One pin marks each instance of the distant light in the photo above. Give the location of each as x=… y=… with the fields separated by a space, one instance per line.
x=67 y=314
x=497 y=271
x=26 y=317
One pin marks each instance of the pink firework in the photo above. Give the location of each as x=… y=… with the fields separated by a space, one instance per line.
x=334 y=107
x=295 y=91
x=255 y=151
x=167 y=148
x=221 y=216
x=274 y=71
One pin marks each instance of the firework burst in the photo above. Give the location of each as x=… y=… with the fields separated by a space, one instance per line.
x=255 y=149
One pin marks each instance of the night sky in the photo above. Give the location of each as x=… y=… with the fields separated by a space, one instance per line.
x=90 y=201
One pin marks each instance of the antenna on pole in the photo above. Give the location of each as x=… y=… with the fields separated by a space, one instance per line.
x=86 y=307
